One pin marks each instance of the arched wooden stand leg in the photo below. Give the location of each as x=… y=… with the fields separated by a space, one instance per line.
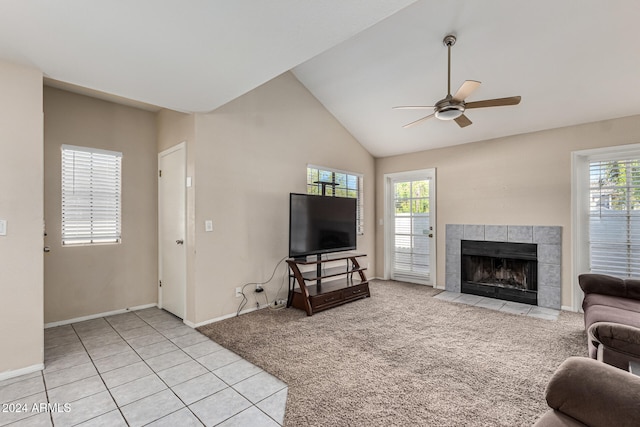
x=314 y=294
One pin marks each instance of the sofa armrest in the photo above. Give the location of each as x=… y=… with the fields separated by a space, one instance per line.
x=617 y=344
x=609 y=285
x=595 y=393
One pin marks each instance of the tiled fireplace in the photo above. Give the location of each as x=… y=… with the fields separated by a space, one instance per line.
x=514 y=263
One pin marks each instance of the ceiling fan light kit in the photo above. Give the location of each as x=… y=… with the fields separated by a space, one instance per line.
x=446 y=110
x=453 y=107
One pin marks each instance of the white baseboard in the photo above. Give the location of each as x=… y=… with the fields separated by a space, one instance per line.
x=22 y=371
x=98 y=315
x=226 y=316
x=436 y=286
x=189 y=324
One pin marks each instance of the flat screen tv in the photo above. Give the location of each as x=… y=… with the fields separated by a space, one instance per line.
x=321 y=224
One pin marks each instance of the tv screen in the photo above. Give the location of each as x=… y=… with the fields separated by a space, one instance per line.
x=321 y=224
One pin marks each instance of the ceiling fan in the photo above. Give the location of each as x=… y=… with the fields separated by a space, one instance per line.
x=453 y=107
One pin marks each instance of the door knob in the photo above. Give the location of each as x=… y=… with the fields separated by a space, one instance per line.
x=180 y=242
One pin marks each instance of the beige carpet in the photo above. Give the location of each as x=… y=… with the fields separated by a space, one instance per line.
x=403 y=358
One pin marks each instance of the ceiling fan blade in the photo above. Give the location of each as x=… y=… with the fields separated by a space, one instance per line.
x=498 y=102
x=466 y=89
x=408 y=125
x=463 y=121
x=413 y=107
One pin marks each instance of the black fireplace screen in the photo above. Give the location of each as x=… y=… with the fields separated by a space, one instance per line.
x=505 y=272
x=500 y=270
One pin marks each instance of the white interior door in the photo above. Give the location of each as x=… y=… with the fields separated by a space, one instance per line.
x=172 y=229
x=410 y=248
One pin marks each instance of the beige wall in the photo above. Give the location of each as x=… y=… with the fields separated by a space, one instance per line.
x=519 y=180
x=21 y=297
x=250 y=154
x=86 y=280
x=174 y=128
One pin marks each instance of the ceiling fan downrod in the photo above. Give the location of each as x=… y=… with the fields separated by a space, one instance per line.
x=449 y=41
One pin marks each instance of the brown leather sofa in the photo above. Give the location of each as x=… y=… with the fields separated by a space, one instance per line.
x=612 y=318
x=586 y=392
x=601 y=392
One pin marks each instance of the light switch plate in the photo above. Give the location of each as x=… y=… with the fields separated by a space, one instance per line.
x=3 y=227
x=208 y=225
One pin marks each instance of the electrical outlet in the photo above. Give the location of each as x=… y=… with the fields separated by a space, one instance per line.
x=238 y=292
x=279 y=303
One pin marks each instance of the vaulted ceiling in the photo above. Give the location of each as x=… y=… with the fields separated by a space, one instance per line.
x=572 y=61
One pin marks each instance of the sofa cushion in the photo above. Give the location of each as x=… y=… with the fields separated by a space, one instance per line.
x=610 y=301
x=609 y=285
x=605 y=313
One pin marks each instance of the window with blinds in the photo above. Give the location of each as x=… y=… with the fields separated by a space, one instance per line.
x=91 y=195
x=614 y=217
x=339 y=184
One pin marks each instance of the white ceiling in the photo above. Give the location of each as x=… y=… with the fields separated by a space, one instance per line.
x=186 y=55
x=572 y=61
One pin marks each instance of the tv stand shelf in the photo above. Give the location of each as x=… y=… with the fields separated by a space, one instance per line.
x=313 y=294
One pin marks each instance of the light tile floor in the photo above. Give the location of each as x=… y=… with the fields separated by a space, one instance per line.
x=500 y=305
x=140 y=368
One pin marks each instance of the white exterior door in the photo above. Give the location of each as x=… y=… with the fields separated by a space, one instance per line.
x=410 y=249
x=172 y=229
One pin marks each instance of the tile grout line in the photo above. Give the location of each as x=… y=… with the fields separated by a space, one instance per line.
x=24 y=397
x=271 y=395
x=100 y=375
x=113 y=326
x=160 y=378
x=145 y=362
x=208 y=371
x=46 y=393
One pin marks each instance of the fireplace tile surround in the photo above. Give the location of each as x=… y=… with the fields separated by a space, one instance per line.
x=548 y=239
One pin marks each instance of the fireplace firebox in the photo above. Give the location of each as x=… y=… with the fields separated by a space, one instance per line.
x=503 y=270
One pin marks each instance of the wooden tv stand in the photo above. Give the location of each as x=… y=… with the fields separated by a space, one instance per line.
x=313 y=294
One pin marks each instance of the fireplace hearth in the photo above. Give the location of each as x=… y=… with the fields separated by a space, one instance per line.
x=500 y=270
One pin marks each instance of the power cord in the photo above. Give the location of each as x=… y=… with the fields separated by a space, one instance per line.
x=280 y=307
x=285 y=276
x=244 y=301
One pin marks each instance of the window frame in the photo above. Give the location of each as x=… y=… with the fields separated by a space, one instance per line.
x=580 y=206
x=359 y=179
x=82 y=215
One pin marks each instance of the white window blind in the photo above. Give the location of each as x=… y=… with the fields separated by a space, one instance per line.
x=614 y=217
x=91 y=195
x=347 y=184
